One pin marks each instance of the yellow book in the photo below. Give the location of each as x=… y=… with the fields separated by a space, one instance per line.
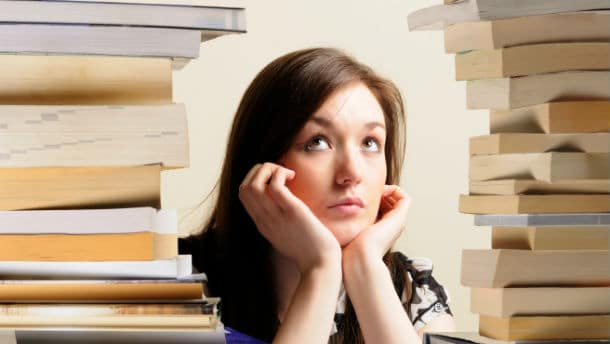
x=502 y=268
x=551 y=238
x=508 y=302
x=507 y=143
x=88 y=247
x=545 y=327
x=514 y=92
x=84 y=80
x=534 y=204
x=590 y=26
x=553 y=118
x=80 y=187
x=532 y=59
x=112 y=321
x=80 y=291
x=530 y=186
x=548 y=167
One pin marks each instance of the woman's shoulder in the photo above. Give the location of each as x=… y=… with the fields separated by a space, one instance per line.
x=424 y=297
x=419 y=268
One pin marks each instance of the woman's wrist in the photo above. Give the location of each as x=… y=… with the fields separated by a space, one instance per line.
x=328 y=263
x=360 y=264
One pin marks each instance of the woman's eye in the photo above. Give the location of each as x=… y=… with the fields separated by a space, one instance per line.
x=317 y=143
x=371 y=145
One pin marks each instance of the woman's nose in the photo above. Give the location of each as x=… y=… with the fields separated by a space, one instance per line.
x=349 y=169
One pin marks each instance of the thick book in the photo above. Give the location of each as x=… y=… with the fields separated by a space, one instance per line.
x=84 y=80
x=88 y=136
x=440 y=16
x=73 y=335
x=177 y=267
x=551 y=238
x=549 y=167
x=100 y=291
x=124 y=14
x=515 y=92
x=101 y=40
x=553 y=118
x=108 y=309
x=545 y=327
x=88 y=247
x=89 y=221
x=530 y=186
x=532 y=59
x=508 y=302
x=506 y=143
x=214 y=3
x=590 y=26
x=534 y=204
x=543 y=220
x=503 y=268
x=80 y=187
x=476 y=338
x=151 y=321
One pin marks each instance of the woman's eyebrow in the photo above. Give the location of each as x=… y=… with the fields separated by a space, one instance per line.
x=323 y=122
x=375 y=124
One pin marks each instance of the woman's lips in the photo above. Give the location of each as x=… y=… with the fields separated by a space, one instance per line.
x=347 y=206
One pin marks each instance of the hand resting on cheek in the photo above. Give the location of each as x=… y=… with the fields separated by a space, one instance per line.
x=379 y=238
x=284 y=220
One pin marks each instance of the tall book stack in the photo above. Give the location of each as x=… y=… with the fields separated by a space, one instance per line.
x=87 y=125
x=541 y=178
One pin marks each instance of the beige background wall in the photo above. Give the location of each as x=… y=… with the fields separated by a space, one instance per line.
x=376 y=33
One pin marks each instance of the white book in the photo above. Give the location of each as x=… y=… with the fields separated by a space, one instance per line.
x=116 y=336
x=439 y=16
x=476 y=338
x=178 y=267
x=124 y=14
x=71 y=136
x=515 y=92
x=539 y=220
x=101 y=40
x=89 y=221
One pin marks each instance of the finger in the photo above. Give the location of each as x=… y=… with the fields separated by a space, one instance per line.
x=398 y=202
x=252 y=194
x=393 y=192
x=389 y=197
x=262 y=177
x=385 y=205
x=389 y=190
x=259 y=186
x=278 y=190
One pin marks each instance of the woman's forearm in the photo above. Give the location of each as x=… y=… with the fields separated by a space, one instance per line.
x=311 y=312
x=380 y=313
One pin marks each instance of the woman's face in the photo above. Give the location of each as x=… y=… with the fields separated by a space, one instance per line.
x=339 y=161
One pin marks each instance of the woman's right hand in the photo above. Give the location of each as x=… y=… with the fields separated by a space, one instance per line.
x=284 y=220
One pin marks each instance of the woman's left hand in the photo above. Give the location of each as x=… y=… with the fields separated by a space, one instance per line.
x=378 y=239
x=367 y=280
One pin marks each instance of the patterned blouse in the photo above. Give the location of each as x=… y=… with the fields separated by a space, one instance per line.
x=428 y=298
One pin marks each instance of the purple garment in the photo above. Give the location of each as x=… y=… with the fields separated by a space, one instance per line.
x=235 y=337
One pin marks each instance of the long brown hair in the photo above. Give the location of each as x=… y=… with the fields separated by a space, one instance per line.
x=276 y=105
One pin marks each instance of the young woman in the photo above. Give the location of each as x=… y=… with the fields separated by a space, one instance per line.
x=309 y=207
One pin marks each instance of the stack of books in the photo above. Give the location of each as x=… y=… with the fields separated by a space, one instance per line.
x=87 y=125
x=542 y=68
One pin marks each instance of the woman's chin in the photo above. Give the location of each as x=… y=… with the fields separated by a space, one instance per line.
x=345 y=232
